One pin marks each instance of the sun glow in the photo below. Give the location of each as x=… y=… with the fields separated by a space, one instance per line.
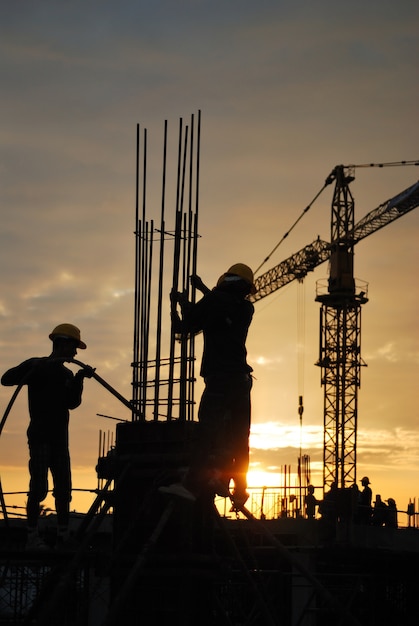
x=270 y=435
x=260 y=478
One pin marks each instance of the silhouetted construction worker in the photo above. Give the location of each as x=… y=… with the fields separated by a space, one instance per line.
x=379 y=512
x=224 y=315
x=365 y=500
x=53 y=390
x=310 y=502
x=391 y=519
x=328 y=506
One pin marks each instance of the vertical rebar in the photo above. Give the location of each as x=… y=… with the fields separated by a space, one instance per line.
x=137 y=252
x=188 y=270
x=147 y=291
x=183 y=243
x=140 y=295
x=143 y=276
x=175 y=275
x=180 y=364
x=194 y=269
x=160 y=282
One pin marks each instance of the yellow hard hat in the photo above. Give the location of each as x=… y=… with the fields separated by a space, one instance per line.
x=68 y=331
x=243 y=271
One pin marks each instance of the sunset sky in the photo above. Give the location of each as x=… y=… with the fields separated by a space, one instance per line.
x=287 y=90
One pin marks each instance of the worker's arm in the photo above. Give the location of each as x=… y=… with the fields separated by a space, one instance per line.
x=17 y=375
x=192 y=314
x=197 y=283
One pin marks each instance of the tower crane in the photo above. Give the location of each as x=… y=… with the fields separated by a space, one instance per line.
x=340 y=316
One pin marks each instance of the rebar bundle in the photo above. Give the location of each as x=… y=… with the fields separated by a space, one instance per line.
x=165 y=258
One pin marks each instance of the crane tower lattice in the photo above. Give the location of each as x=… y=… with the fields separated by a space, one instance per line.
x=341 y=300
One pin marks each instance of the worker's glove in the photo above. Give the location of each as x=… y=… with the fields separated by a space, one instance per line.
x=86 y=372
x=173 y=298
x=198 y=283
x=180 y=297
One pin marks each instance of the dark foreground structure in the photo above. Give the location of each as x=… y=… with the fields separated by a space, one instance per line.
x=140 y=557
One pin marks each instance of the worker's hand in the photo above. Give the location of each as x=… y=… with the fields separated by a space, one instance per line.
x=183 y=297
x=198 y=283
x=87 y=372
x=174 y=297
x=178 y=297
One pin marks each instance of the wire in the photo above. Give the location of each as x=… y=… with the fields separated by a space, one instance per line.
x=300 y=368
x=301 y=339
x=327 y=182
x=390 y=164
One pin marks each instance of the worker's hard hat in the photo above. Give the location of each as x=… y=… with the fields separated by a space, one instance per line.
x=68 y=331
x=365 y=480
x=242 y=271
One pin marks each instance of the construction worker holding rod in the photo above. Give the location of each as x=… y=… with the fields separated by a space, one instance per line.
x=53 y=390
x=223 y=315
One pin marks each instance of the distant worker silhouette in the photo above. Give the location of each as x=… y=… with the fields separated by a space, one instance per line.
x=53 y=390
x=310 y=502
x=365 y=500
x=391 y=520
x=223 y=315
x=379 y=512
x=328 y=506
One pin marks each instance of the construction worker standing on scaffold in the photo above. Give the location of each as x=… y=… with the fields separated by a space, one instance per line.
x=53 y=390
x=223 y=315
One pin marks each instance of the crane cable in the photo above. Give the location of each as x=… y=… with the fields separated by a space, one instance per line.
x=328 y=181
x=308 y=207
x=300 y=351
x=300 y=378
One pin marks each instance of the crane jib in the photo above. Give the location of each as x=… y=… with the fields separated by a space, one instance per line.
x=314 y=254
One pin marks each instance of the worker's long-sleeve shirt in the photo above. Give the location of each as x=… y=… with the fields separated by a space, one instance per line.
x=224 y=317
x=53 y=390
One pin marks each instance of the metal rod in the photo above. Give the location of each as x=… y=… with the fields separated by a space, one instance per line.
x=184 y=338
x=194 y=265
x=189 y=238
x=175 y=276
x=141 y=364
x=143 y=274
x=148 y=307
x=160 y=282
x=138 y=364
x=188 y=246
x=144 y=334
x=137 y=251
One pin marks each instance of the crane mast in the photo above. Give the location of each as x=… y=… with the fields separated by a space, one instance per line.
x=340 y=341
x=341 y=299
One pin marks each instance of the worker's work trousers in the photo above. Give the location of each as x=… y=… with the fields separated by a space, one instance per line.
x=56 y=458
x=224 y=428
